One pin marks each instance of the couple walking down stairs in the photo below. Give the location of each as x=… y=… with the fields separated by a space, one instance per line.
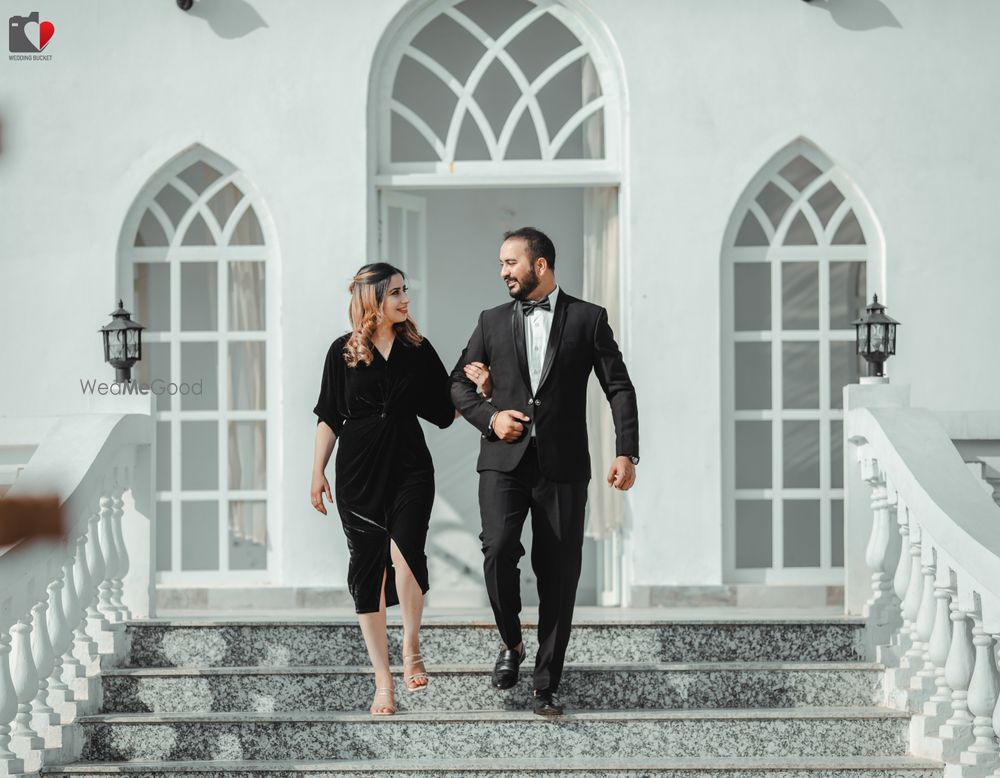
x=646 y=692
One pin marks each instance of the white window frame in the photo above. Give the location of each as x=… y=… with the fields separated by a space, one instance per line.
x=776 y=253
x=220 y=253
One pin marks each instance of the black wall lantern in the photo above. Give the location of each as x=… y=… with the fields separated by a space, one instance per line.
x=122 y=343
x=876 y=336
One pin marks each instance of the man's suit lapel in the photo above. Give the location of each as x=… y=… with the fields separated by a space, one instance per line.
x=517 y=329
x=555 y=336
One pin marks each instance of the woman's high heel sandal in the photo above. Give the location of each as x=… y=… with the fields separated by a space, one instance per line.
x=410 y=680
x=391 y=705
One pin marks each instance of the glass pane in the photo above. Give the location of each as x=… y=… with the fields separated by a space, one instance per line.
x=199 y=175
x=247 y=231
x=199 y=455
x=163 y=471
x=847 y=294
x=753 y=454
x=849 y=232
x=247 y=455
x=752 y=295
x=837 y=533
x=163 y=555
x=800 y=374
x=198 y=233
x=247 y=374
x=774 y=202
x=825 y=202
x=753 y=376
x=174 y=203
x=750 y=232
x=224 y=202
x=150 y=231
x=246 y=296
x=799 y=232
x=801 y=454
x=155 y=366
x=199 y=369
x=800 y=295
x=199 y=535
x=837 y=454
x=800 y=172
x=801 y=533
x=199 y=296
x=753 y=533
x=151 y=281
x=845 y=368
x=394 y=235
x=247 y=535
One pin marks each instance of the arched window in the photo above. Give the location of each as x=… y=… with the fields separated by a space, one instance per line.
x=195 y=259
x=465 y=85
x=801 y=254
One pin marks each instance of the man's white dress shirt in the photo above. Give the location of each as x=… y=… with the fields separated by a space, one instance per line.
x=537 y=327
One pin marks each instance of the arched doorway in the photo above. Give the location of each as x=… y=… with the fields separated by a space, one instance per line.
x=801 y=254
x=485 y=116
x=196 y=257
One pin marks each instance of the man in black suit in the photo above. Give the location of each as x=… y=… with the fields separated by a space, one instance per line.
x=540 y=350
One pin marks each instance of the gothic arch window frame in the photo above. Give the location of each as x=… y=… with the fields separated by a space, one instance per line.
x=595 y=42
x=776 y=253
x=175 y=254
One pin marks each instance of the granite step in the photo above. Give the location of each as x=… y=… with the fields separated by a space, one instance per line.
x=703 y=767
x=467 y=687
x=173 y=643
x=805 y=731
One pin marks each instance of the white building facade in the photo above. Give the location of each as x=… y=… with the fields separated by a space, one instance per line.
x=732 y=180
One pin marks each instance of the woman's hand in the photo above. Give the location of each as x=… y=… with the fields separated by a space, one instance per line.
x=320 y=486
x=479 y=374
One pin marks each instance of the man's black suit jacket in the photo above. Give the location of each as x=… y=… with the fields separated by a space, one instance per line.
x=580 y=341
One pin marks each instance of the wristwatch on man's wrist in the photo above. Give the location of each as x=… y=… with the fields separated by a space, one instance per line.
x=635 y=460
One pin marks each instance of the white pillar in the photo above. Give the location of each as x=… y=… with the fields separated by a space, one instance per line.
x=956 y=733
x=9 y=762
x=983 y=690
x=60 y=695
x=900 y=641
x=118 y=505
x=110 y=556
x=44 y=720
x=922 y=681
x=25 y=741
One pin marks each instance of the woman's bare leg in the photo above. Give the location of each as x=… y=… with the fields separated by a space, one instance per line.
x=411 y=604
x=376 y=639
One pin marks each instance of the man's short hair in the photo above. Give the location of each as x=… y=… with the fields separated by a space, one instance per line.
x=539 y=244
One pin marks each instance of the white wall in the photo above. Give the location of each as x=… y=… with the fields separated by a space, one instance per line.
x=715 y=89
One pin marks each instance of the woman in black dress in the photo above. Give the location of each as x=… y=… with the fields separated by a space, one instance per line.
x=376 y=381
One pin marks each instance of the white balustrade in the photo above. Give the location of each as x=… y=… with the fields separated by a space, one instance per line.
x=63 y=609
x=942 y=658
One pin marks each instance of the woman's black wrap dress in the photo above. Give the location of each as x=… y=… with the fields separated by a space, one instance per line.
x=384 y=476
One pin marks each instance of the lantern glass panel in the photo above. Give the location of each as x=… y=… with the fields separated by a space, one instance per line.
x=117 y=344
x=878 y=338
x=892 y=339
x=862 y=337
x=133 y=344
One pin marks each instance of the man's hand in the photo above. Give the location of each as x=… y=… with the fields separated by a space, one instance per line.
x=509 y=426
x=622 y=474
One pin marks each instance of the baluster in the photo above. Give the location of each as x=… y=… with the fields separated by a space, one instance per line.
x=898 y=678
x=982 y=698
x=123 y=561
x=938 y=707
x=107 y=636
x=60 y=695
x=85 y=646
x=879 y=608
x=9 y=763
x=74 y=672
x=110 y=558
x=922 y=681
x=44 y=719
x=25 y=741
x=956 y=733
x=900 y=583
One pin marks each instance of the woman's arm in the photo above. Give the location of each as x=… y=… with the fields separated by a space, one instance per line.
x=326 y=438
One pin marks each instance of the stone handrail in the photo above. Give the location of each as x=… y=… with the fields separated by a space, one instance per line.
x=933 y=554
x=63 y=605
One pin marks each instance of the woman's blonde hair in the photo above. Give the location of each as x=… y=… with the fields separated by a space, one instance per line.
x=367 y=295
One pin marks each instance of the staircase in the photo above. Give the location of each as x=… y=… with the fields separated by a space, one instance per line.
x=698 y=698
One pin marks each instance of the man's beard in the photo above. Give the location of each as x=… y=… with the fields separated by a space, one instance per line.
x=526 y=287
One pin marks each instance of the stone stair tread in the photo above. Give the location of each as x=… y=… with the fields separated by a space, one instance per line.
x=804 y=712
x=514 y=764
x=192 y=670
x=488 y=623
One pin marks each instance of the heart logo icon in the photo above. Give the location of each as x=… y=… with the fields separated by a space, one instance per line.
x=39 y=34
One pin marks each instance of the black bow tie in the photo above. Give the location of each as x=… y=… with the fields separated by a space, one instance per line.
x=527 y=306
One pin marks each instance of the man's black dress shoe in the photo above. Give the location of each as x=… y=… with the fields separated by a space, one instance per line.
x=506 y=669
x=546 y=704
